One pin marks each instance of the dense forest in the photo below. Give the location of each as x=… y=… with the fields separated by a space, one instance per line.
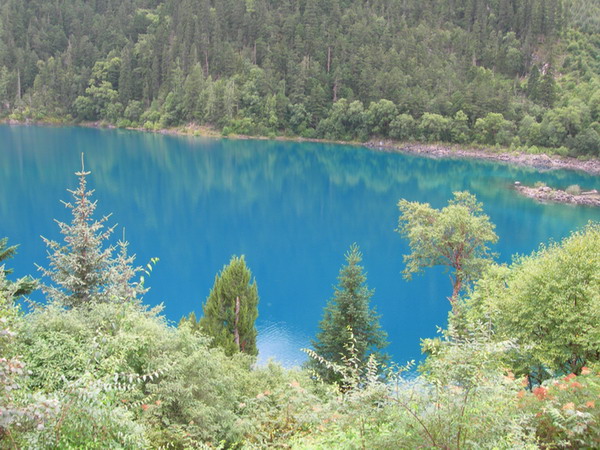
x=520 y=74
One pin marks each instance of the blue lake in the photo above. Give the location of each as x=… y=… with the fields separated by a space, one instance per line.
x=292 y=208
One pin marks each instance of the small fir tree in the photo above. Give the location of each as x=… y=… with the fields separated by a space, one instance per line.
x=22 y=286
x=533 y=84
x=121 y=273
x=83 y=270
x=348 y=316
x=231 y=309
x=547 y=88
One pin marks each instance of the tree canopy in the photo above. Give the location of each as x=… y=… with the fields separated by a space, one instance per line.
x=455 y=237
x=549 y=302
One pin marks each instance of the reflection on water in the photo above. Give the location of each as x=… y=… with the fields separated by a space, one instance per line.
x=282 y=341
x=292 y=208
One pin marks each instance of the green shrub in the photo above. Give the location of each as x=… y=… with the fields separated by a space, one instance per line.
x=89 y=417
x=20 y=410
x=120 y=367
x=148 y=125
x=123 y=123
x=548 y=302
x=103 y=339
x=574 y=189
x=464 y=400
x=200 y=397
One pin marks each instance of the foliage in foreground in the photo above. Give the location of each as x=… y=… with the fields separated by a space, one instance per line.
x=109 y=372
x=148 y=384
x=549 y=302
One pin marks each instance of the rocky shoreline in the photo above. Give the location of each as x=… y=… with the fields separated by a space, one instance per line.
x=547 y=194
x=541 y=161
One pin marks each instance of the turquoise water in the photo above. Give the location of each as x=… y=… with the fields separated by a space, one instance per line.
x=292 y=208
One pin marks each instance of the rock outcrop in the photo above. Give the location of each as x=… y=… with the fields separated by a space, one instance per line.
x=547 y=194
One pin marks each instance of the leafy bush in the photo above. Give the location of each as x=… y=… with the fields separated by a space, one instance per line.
x=574 y=189
x=199 y=399
x=104 y=340
x=122 y=367
x=549 y=302
x=464 y=399
x=89 y=417
x=282 y=403
x=20 y=410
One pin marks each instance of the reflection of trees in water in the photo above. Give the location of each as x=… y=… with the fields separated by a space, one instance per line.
x=163 y=175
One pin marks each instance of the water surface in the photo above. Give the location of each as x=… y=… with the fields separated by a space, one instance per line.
x=292 y=208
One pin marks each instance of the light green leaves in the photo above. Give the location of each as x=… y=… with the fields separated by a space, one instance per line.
x=455 y=237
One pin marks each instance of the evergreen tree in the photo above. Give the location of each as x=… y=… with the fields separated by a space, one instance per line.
x=83 y=270
x=232 y=308
x=348 y=313
x=547 y=89
x=23 y=286
x=533 y=83
x=6 y=253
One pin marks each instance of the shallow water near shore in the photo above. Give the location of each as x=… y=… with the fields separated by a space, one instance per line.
x=292 y=208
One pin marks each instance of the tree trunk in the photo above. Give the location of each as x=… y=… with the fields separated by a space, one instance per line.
x=236 y=331
x=18 y=84
x=457 y=285
x=335 y=86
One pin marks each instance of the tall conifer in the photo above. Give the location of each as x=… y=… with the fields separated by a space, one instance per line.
x=349 y=311
x=83 y=269
x=23 y=286
x=232 y=308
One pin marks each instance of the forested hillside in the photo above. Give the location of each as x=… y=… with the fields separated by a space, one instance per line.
x=521 y=73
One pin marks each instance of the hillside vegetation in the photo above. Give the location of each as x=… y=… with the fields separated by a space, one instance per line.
x=513 y=73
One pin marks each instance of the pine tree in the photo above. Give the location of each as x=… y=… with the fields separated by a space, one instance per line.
x=533 y=84
x=347 y=313
x=83 y=270
x=231 y=309
x=121 y=273
x=547 y=89
x=22 y=286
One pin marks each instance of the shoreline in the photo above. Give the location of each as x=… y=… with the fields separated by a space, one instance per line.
x=545 y=194
x=540 y=161
x=537 y=161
